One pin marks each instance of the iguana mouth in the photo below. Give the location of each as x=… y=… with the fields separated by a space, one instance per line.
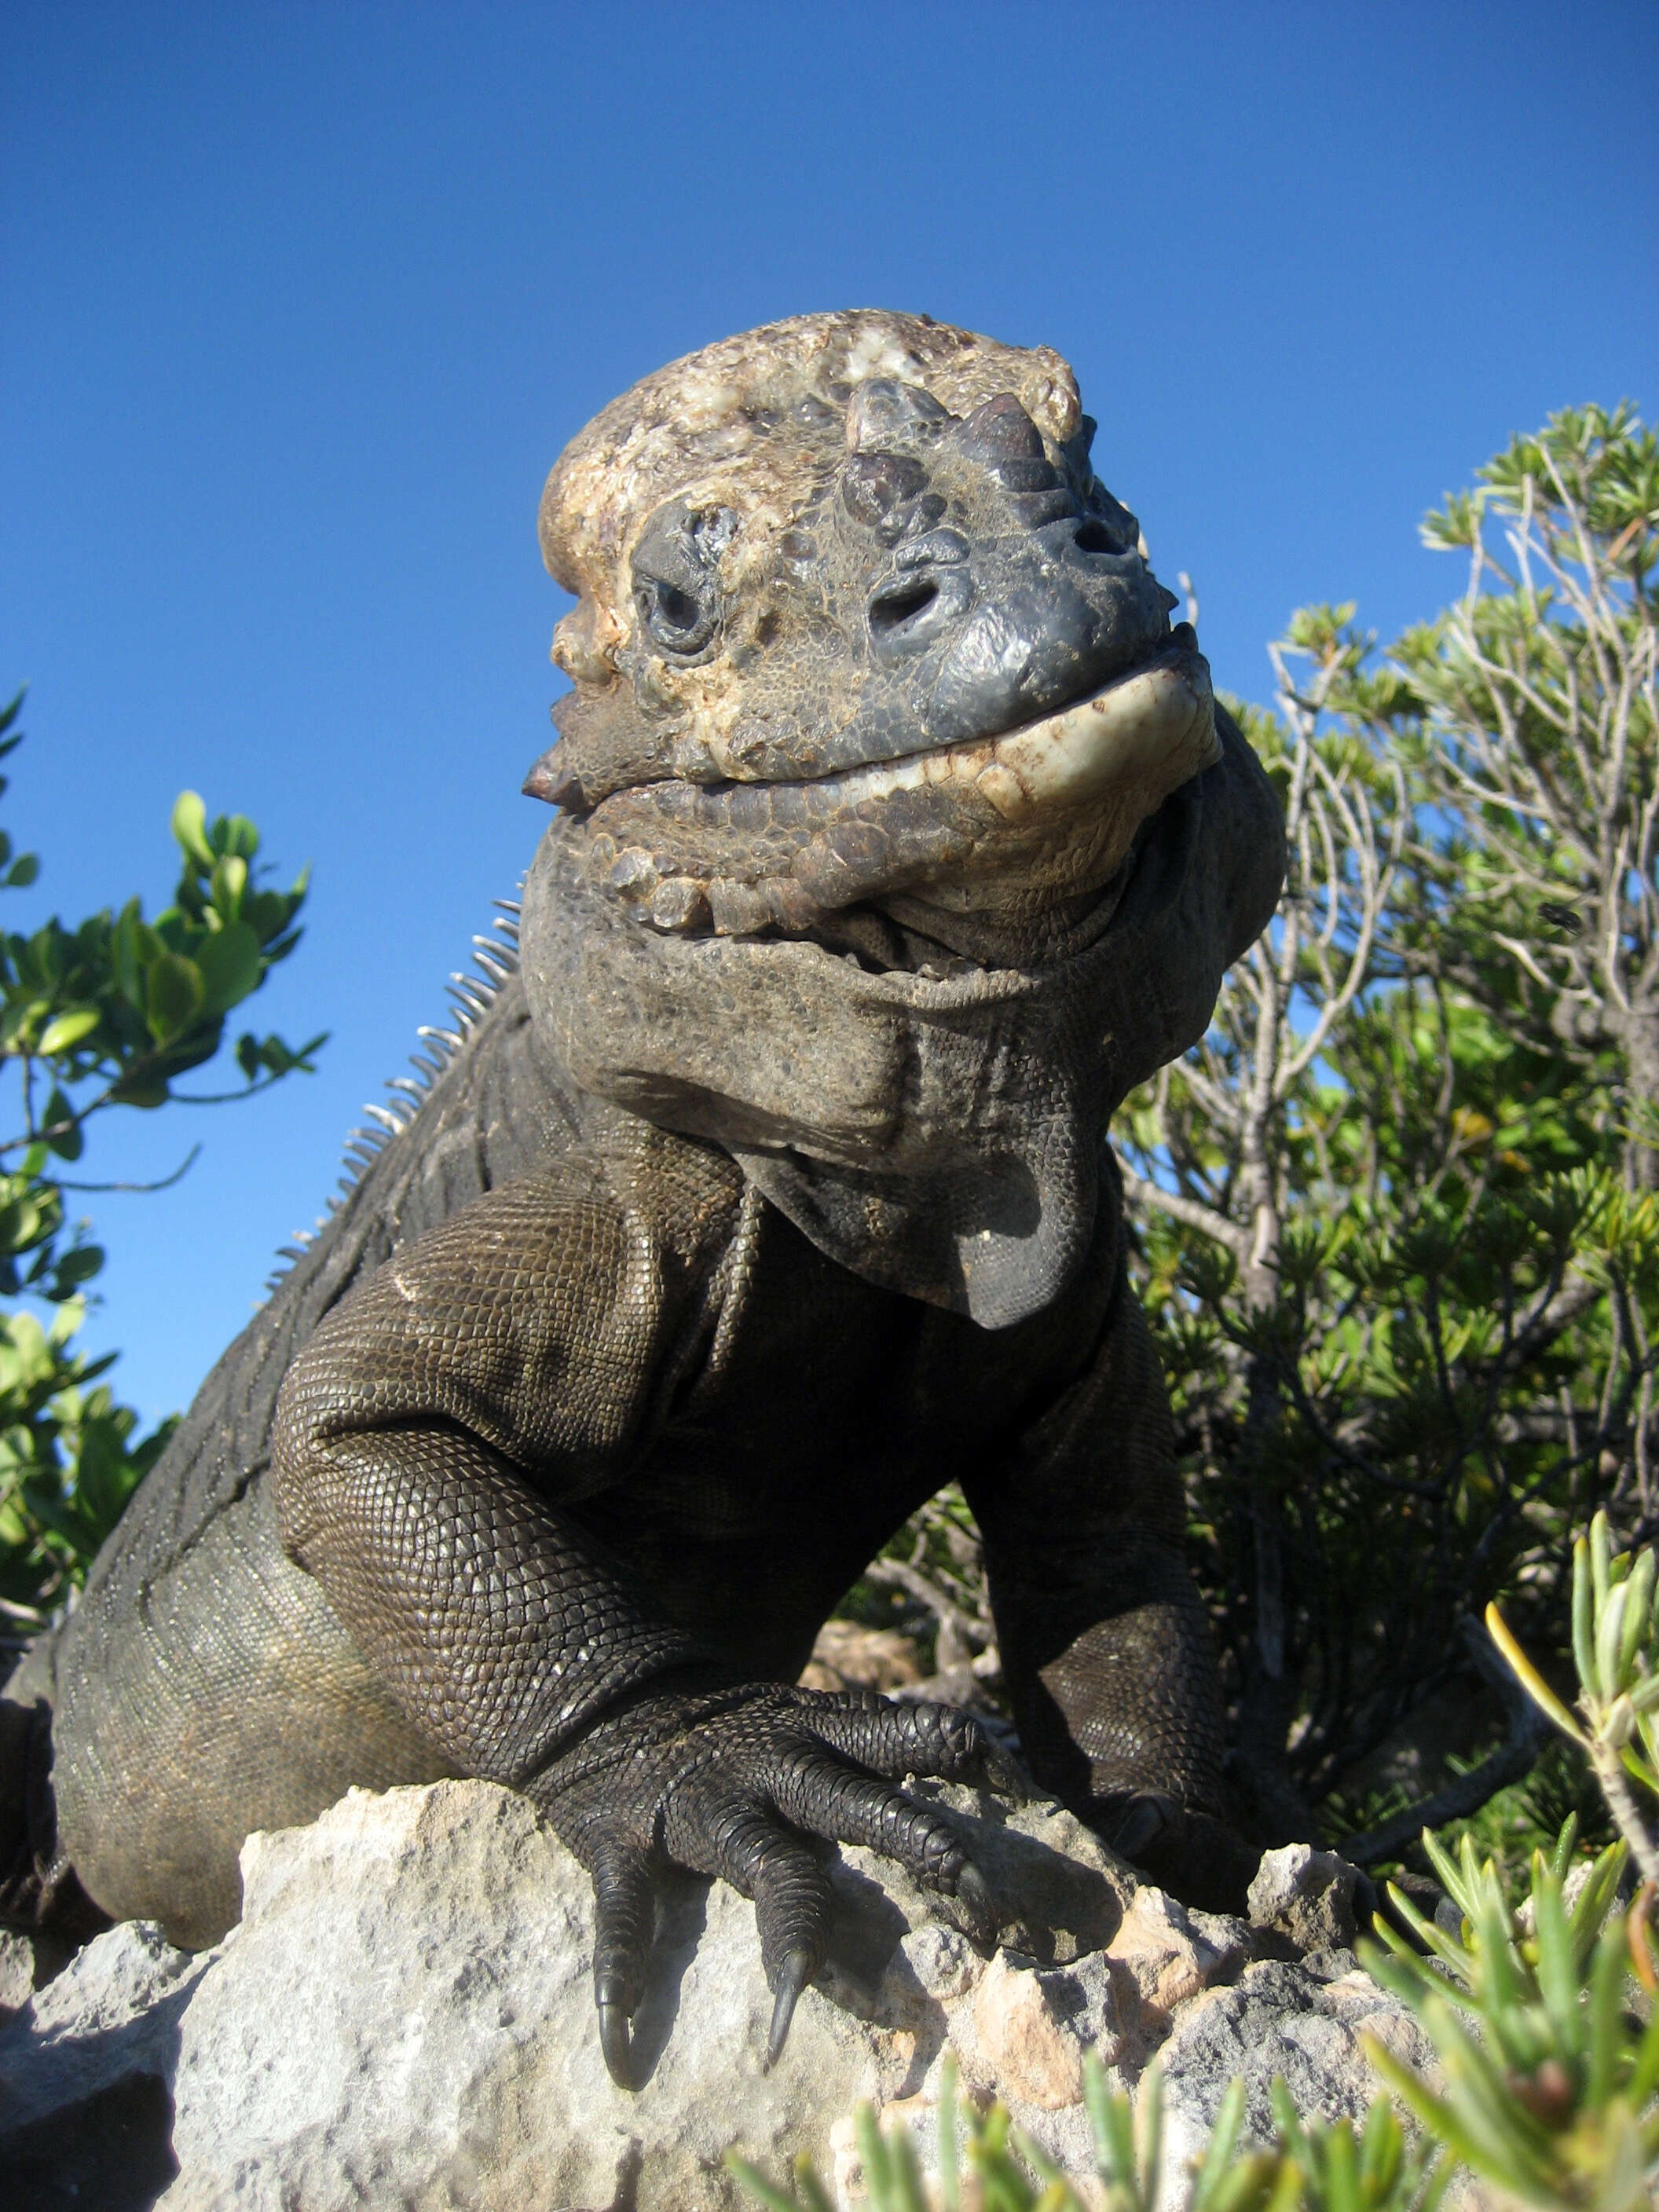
x=1049 y=808
x=1129 y=729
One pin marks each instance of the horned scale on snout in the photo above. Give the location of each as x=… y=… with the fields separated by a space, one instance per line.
x=899 y=837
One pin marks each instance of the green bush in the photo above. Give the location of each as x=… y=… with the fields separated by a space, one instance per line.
x=1399 y=1233
x=108 y=1013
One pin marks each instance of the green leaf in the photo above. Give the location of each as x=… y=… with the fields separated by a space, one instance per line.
x=229 y=881
x=230 y=965
x=1558 y=1967
x=235 y=836
x=133 y=944
x=1638 y=1610
x=173 y=995
x=67 y=1030
x=189 y=828
x=1609 y=1635
x=752 y=2179
x=143 y=1089
x=873 y=2151
x=20 y=1224
x=77 y=1265
x=61 y=1126
x=23 y=870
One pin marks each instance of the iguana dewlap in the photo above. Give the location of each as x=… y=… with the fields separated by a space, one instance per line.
x=899 y=836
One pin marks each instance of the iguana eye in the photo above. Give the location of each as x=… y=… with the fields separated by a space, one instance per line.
x=675 y=589
x=673 y=618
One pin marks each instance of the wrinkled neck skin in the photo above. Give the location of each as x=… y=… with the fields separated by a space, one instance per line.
x=935 y=941
x=924 y=1092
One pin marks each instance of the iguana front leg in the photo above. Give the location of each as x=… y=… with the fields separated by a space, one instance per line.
x=1102 y=1635
x=425 y=1441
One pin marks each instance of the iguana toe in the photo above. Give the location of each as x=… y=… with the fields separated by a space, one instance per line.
x=976 y=1905
x=616 y=2042
x=623 y=1914
x=1141 y=1820
x=793 y=1975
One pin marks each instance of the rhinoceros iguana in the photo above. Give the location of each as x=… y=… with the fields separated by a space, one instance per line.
x=897 y=836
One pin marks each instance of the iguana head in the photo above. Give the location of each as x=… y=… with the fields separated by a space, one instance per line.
x=858 y=627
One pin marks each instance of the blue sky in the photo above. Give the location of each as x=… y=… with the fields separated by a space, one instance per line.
x=301 y=302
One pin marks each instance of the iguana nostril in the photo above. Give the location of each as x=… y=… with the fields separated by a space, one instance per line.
x=1093 y=538
x=893 y=609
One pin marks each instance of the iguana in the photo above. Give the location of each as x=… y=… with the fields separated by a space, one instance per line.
x=897 y=836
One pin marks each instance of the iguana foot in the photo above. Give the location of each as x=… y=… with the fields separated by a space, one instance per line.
x=738 y=1782
x=1200 y=1858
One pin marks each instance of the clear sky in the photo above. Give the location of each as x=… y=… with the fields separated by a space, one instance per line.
x=301 y=302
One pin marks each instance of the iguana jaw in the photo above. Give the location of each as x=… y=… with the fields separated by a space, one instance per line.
x=1135 y=732
x=1040 y=813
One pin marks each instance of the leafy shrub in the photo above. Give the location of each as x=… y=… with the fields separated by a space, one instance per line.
x=110 y=1013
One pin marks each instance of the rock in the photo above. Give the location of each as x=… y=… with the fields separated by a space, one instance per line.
x=404 y=2015
x=1279 y=2019
x=16 y=1969
x=27 y=1962
x=1307 y=1897
x=940 y=1961
x=849 y=1656
x=1033 y=2026
x=1172 y=1953
x=85 y=2113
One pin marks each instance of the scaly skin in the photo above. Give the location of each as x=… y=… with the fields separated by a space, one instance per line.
x=900 y=837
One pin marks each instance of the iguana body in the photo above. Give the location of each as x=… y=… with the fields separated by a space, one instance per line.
x=768 y=1195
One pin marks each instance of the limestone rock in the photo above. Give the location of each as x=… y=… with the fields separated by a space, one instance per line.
x=1172 y=1953
x=85 y=2115
x=404 y=2016
x=16 y=1970
x=1306 y=1896
x=404 y=2013
x=1033 y=2027
x=1282 y=2018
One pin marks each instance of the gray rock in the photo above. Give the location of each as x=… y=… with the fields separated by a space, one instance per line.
x=16 y=1970
x=1307 y=1897
x=85 y=2112
x=27 y=1962
x=404 y=2016
x=1281 y=2020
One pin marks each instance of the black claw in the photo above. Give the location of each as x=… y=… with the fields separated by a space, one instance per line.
x=977 y=1904
x=1004 y=1775
x=793 y=1976
x=1144 y=1819
x=615 y=2044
